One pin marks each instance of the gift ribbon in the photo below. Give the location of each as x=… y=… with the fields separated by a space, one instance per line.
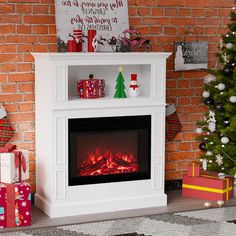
x=20 y=163
x=193 y=171
x=10 y=205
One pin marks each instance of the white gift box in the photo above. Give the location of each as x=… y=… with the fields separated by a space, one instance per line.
x=9 y=172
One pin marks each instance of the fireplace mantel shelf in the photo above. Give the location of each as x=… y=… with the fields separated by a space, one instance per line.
x=107 y=102
x=57 y=102
x=110 y=56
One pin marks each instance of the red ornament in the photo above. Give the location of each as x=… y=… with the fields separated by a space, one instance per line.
x=71 y=45
x=92 y=44
x=78 y=36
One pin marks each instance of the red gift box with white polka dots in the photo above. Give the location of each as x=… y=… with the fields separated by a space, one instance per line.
x=15 y=204
x=91 y=88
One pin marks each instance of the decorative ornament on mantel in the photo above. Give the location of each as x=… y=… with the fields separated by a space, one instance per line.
x=120 y=87
x=134 y=87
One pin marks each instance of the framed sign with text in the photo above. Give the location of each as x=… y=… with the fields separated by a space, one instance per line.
x=108 y=17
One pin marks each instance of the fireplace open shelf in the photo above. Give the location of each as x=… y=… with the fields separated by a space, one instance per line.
x=106 y=171
x=109 y=73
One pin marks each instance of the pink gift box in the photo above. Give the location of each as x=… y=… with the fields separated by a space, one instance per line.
x=15 y=204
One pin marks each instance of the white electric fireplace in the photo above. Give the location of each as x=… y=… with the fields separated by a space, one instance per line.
x=105 y=154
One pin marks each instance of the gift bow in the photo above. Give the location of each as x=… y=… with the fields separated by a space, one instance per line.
x=19 y=158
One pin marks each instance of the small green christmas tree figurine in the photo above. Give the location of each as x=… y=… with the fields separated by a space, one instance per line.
x=218 y=131
x=120 y=87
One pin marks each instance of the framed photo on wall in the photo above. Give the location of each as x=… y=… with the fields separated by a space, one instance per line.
x=191 y=55
x=108 y=17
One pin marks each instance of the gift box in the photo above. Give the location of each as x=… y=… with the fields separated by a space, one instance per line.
x=193 y=169
x=14 y=166
x=15 y=205
x=207 y=187
x=91 y=88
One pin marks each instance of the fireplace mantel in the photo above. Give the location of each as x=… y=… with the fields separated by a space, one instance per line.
x=57 y=102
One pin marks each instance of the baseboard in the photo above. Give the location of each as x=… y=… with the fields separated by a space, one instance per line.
x=86 y=208
x=175 y=184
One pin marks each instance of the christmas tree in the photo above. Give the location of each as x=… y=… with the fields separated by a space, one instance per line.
x=120 y=87
x=218 y=130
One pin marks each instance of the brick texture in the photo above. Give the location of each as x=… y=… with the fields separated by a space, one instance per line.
x=25 y=27
x=29 y=26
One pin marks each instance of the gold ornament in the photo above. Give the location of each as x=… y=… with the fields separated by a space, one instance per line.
x=207 y=204
x=220 y=203
x=120 y=68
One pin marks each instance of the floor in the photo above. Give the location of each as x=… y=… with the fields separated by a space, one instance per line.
x=175 y=203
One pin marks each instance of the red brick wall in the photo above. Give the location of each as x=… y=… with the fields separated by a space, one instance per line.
x=25 y=26
x=29 y=26
x=169 y=21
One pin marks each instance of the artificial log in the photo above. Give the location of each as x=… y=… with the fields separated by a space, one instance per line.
x=105 y=166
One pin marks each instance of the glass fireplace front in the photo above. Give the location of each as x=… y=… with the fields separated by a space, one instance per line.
x=109 y=149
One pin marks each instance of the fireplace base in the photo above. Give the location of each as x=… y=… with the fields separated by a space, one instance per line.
x=93 y=207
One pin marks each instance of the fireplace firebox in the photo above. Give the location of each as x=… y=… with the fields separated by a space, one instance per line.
x=109 y=149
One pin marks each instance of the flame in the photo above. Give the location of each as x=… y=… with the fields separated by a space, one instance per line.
x=105 y=162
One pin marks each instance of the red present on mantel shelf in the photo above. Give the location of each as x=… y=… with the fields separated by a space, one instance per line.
x=207 y=187
x=15 y=205
x=91 y=88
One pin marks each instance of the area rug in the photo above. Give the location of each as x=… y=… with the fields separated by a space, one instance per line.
x=208 y=222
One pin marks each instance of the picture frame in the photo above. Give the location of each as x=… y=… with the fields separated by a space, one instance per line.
x=108 y=17
x=191 y=55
